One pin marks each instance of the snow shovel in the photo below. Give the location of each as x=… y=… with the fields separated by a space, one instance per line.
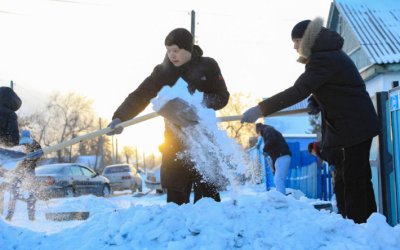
x=138 y=195
x=11 y=153
x=37 y=154
x=181 y=113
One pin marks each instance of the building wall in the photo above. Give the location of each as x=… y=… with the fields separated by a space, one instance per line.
x=382 y=82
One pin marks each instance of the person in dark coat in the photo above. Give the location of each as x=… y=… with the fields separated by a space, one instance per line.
x=9 y=104
x=183 y=59
x=277 y=148
x=23 y=178
x=337 y=173
x=9 y=133
x=349 y=120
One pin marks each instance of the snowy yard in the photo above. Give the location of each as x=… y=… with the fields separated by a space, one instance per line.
x=259 y=220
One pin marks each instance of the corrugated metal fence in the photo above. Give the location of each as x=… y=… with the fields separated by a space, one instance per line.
x=306 y=172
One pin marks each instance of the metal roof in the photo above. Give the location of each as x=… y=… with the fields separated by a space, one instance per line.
x=376 y=23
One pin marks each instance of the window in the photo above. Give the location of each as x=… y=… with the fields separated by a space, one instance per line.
x=49 y=169
x=86 y=172
x=117 y=169
x=75 y=170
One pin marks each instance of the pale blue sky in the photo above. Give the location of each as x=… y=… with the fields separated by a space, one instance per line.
x=105 y=48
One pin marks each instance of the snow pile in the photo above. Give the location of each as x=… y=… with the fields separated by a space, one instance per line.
x=216 y=156
x=257 y=221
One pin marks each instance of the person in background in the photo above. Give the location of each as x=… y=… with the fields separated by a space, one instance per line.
x=277 y=148
x=349 y=119
x=9 y=104
x=182 y=60
x=23 y=178
x=337 y=173
x=9 y=133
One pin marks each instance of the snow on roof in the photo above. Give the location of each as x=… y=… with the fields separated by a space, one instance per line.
x=376 y=25
x=299 y=105
x=86 y=160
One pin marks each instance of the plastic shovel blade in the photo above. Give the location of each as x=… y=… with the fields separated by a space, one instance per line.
x=6 y=153
x=180 y=112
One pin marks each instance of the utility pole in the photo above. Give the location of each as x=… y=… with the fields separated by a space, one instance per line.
x=116 y=151
x=193 y=24
x=144 y=162
x=113 y=155
x=12 y=85
x=137 y=162
x=101 y=148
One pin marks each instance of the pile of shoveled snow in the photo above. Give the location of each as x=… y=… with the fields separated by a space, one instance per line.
x=265 y=220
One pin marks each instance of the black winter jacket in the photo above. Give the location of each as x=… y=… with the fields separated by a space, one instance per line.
x=348 y=115
x=9 y=103
x=274 y=143
x=202 y=74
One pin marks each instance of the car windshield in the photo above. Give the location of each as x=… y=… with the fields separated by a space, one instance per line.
x=49 y=169
x=119 y=169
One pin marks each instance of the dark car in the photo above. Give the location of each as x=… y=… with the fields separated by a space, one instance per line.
x=122 y=177
x=69 y=180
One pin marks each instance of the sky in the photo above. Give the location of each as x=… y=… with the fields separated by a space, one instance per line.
x=104 y=49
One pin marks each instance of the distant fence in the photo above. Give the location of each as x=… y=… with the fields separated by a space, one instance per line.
x=306 y=172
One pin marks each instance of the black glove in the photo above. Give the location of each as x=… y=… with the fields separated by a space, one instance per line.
x=313 y=105
x=112 y=125
x=265 y=154
x=252 y=114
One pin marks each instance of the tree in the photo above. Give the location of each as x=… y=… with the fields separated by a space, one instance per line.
x=315 y=123
x=128 y=152
x=64 y=117
x=238 y=103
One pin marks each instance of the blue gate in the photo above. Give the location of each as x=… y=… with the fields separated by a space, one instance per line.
x=306 y=173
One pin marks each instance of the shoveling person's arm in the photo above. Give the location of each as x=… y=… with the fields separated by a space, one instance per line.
x=136 y=101
x=316 y=74
x=216 y=95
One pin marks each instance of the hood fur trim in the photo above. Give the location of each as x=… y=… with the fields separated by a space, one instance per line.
x=309 y=37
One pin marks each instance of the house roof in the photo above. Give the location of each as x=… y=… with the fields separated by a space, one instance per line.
x=376 y=23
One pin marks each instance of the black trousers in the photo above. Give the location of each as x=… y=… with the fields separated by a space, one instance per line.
x=201 y=189
x=338 y=187
x=358 y=190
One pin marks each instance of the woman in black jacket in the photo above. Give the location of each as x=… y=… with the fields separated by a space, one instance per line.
x=349 y=120
x=185 y=60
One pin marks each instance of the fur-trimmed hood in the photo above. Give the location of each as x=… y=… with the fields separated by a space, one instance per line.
x=9 y=99
x=316 y=38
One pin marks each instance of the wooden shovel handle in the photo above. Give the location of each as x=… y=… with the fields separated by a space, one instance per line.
x=276 y=114
x=98 y=133
x=145 y=118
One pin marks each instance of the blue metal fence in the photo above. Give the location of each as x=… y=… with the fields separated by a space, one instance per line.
x=306 y=173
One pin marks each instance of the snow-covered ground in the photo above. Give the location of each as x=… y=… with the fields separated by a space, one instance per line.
x=247 y=218
x=259 y=220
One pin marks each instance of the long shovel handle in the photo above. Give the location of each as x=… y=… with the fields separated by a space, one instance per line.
x=97 y=133
x=276 y=114
x=48 y=150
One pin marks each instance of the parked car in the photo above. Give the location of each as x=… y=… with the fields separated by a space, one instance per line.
x=122 y=177
x=69 y=180
x=153 y=179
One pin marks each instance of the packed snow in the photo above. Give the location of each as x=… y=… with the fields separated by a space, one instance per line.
x=259 y=220
x=248 y=217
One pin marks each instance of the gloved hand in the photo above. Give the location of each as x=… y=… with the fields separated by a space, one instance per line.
x=265 y=154
x=313 y=105
x=252 y=114
x=112 y=125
